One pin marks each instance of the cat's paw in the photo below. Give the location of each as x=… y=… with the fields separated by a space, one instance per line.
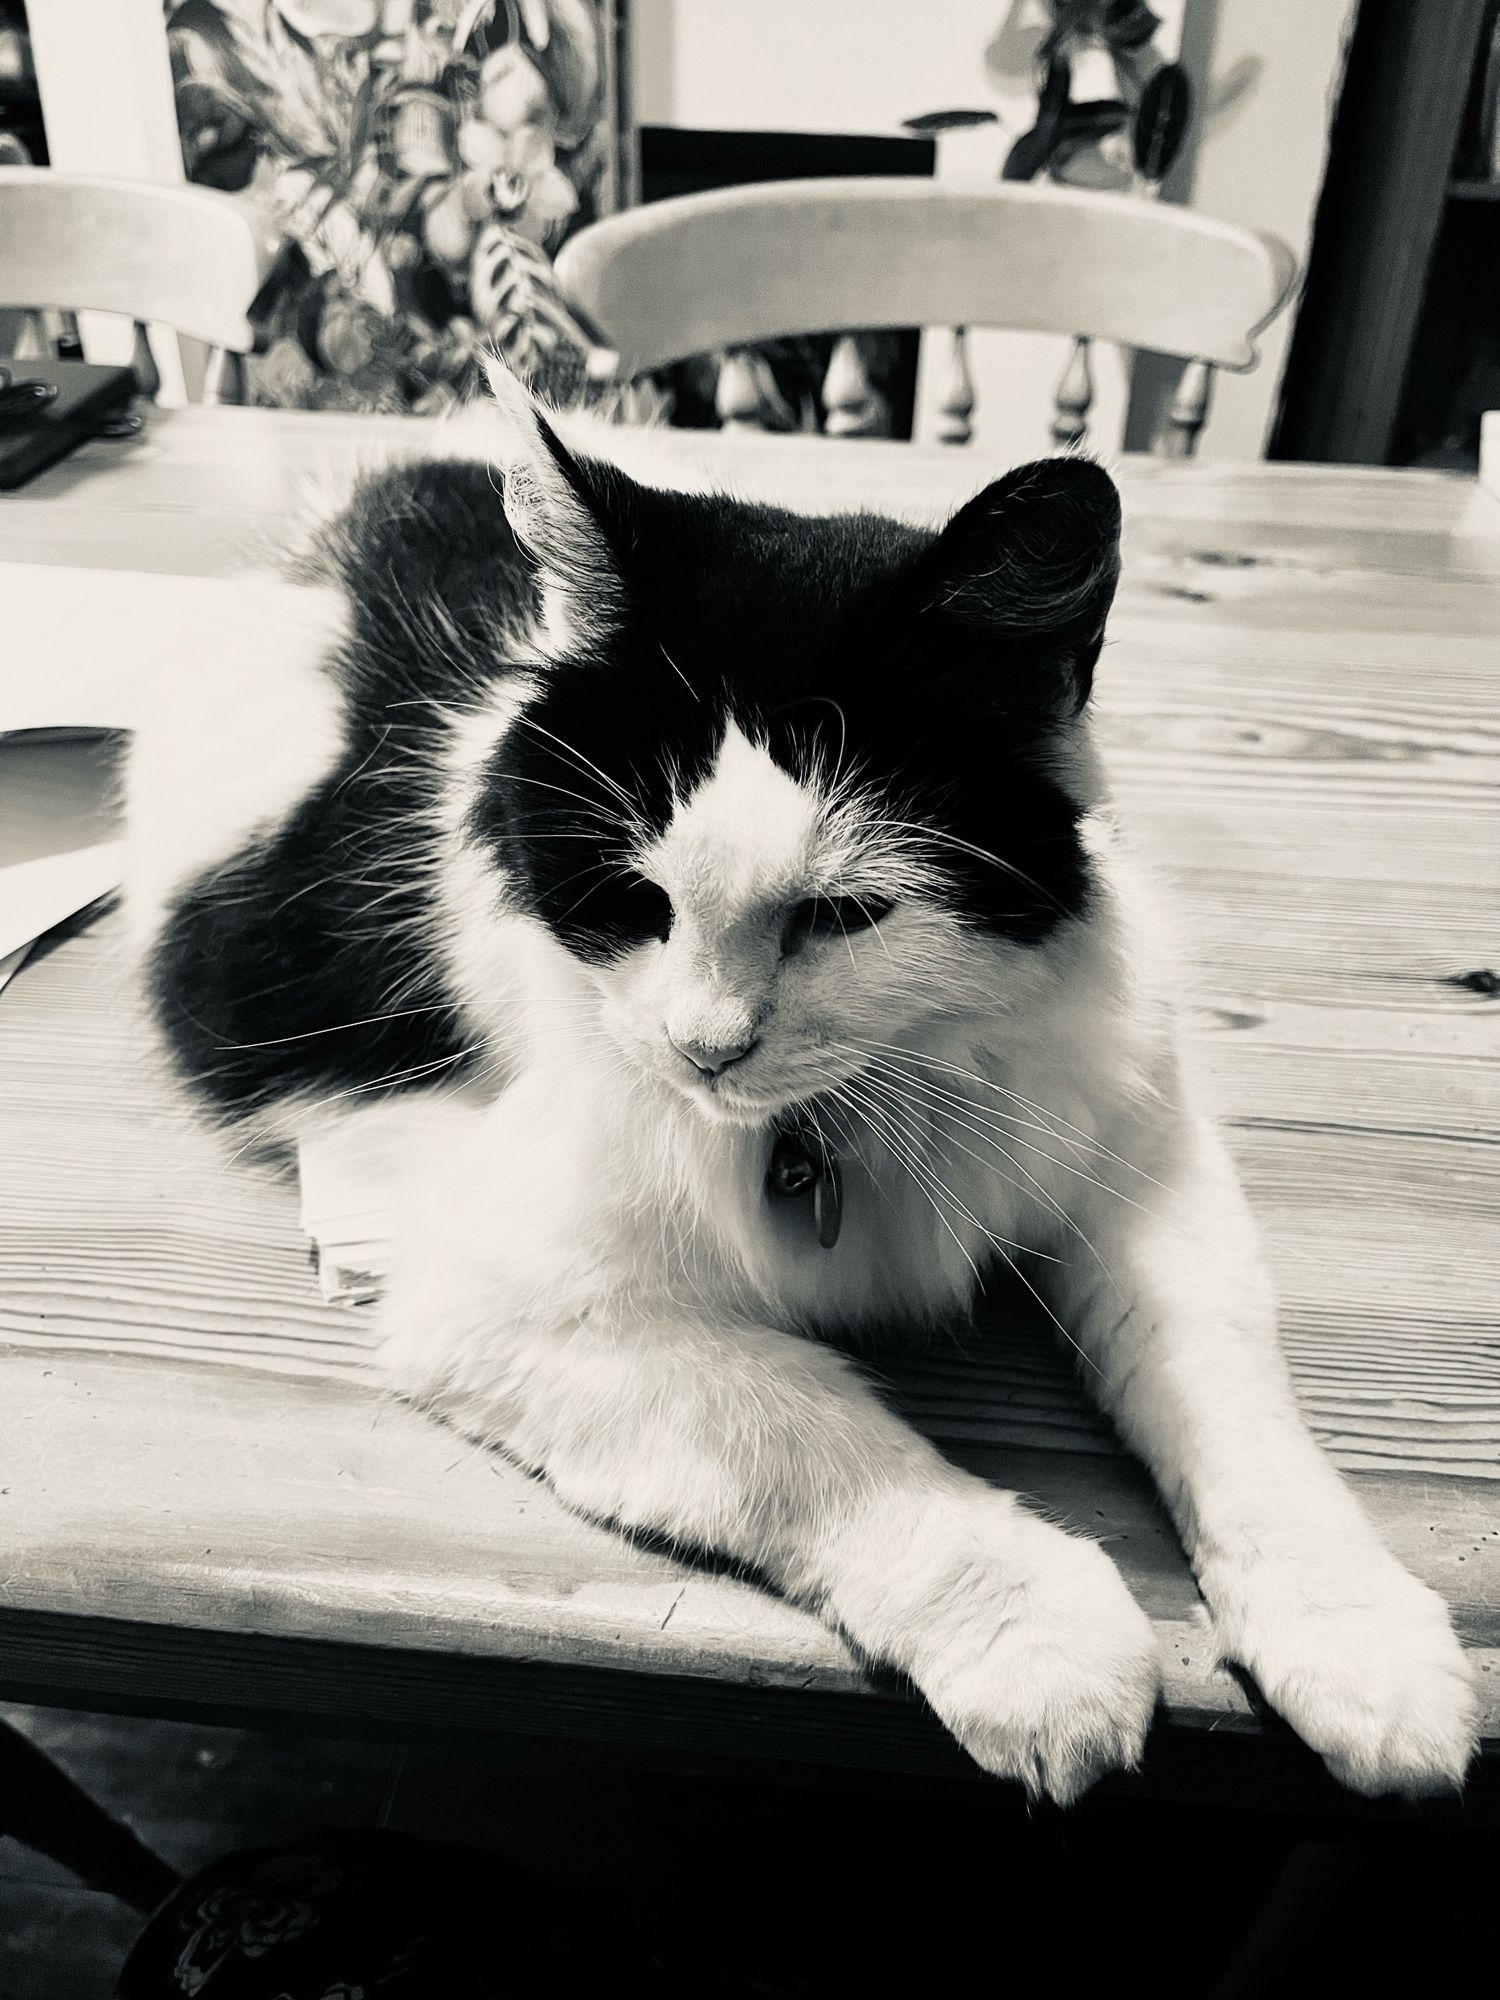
x=1363 y=1662
x=1049 y=1679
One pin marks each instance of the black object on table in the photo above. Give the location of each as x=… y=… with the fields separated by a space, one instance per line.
x=37 y=428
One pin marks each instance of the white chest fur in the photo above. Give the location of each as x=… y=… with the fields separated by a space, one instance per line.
x=962 y=1144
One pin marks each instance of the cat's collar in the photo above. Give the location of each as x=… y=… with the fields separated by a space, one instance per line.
x=803 y=1164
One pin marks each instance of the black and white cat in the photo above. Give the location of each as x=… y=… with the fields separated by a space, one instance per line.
x=759 y=866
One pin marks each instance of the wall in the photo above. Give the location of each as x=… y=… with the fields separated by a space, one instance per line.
x=808 y=65
x=1265 y=72
x=1268 y=72
x=863 y=66
x=106 y=89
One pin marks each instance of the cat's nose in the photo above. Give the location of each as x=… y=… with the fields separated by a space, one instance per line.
x=712 y=1057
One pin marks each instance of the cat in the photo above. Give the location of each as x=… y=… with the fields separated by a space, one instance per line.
x=757 y=870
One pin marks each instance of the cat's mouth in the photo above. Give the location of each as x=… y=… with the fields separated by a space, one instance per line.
x=732 y=1099
x=725 y=1101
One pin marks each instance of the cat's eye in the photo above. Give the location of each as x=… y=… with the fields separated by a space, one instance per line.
x=645 y=907
x=832 y=916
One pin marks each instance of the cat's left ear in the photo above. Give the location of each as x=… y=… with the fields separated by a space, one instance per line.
x=1034 y=560
x=553 y=500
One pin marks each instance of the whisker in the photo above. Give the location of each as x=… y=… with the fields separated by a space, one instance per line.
x=1198 y=1241
x=898 y=1154
x=953 y=840
x=593 y=807
x=338 y=1028
x=886 y=1114
x=679 y=673
x=988 y=1083
x=1010 y=1261
x=891 y=1102
x=954 y=1108
x=633 y=805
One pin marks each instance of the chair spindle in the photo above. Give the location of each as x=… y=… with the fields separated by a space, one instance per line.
x=1189 y=410
x=738 y=401
x=1074 y=399
x=854 y=406
x=224 y=379
x=143 y=361
x=956 y=404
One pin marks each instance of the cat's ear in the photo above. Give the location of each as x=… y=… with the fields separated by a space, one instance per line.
x=1034 y=559
x=553 y=502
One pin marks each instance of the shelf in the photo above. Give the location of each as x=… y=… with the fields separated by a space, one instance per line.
x=1474 y=190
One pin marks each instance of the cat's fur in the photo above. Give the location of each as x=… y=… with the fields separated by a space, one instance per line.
x=542 y=775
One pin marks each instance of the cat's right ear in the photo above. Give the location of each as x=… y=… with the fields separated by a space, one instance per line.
x=1033 y=561
x=552 y=502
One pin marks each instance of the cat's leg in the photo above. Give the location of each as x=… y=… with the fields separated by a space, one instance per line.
x=1358 y=1655
x=768 y=1448
x=771 y=1448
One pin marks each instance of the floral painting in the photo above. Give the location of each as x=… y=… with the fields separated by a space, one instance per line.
x=423 y=158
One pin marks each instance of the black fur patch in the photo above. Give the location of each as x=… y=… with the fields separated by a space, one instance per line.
x=939 y=668
x=272 y=971
x=271 y=967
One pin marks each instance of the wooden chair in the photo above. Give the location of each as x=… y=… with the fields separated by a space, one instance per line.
x=722 y=270
x=187 y=257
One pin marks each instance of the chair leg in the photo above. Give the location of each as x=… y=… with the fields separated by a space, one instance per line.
x=224 y=381
x=42 y=1808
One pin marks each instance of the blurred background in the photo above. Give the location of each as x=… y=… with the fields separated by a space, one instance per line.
x=425 y=160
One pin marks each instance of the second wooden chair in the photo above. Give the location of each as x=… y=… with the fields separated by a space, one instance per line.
x=723 y=270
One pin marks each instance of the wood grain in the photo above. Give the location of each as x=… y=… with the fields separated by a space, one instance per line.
x=206 y=1504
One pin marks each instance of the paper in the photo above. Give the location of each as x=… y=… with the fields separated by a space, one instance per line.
x=109 y=649
x=344 y=1174
x=35 y=896
x=362 y=1170
x=57 y=852
x=83 y=644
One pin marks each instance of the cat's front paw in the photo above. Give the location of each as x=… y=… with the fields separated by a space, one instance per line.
x=1049 y=1678
x=1363 y=1662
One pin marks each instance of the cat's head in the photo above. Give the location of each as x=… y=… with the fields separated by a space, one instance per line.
x=792 y=785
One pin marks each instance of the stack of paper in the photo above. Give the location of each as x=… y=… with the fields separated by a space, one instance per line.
x=59 y=820
x=56 y=800
x=345 y=1209
x=62 y=685
x=374 y=1164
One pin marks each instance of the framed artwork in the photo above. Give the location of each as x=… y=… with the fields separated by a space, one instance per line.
x=23 y=142
x=424 y=159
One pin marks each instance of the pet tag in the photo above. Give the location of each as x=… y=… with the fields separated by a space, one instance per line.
x=802 y=1163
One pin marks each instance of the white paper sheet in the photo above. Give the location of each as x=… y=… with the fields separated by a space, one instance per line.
x=36 y=895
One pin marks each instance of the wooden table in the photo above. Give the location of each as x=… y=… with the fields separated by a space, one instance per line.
x=206 y=1506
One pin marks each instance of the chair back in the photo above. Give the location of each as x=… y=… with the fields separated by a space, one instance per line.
x=723 y=270
x=186 y=257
